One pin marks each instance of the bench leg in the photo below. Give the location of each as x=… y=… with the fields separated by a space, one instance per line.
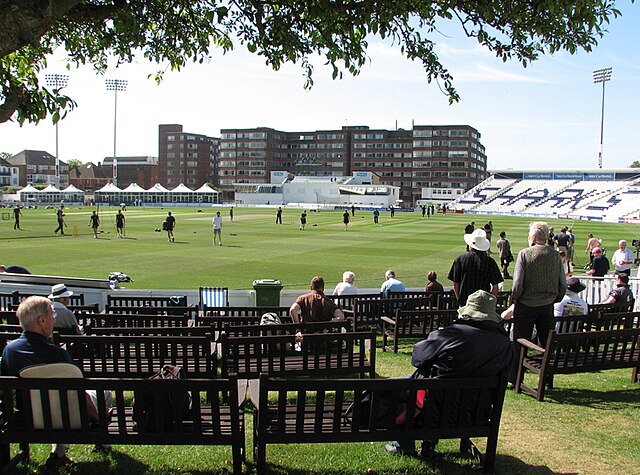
x=5 y=454
x=634 y=375
x=260 y=458
x=489 y=463
x=236 y=453
x=542 y=384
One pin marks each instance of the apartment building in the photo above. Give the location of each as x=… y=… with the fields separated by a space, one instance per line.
x=37 y=167
x=187 y=158
x=141 y=170
x=9 y=175
x=427 y=160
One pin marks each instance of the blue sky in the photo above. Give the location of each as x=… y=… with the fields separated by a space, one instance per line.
x=544 y=116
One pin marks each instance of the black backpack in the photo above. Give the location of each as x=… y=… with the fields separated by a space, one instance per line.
x=161 y=411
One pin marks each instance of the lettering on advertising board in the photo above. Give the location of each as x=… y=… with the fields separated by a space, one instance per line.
x=537 y=176
x=599 y=176
x=568 y=176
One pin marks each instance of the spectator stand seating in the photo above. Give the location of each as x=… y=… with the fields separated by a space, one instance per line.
x=415 y=324
x=52 y=412
x=213 y=296
x=298 y=411
x=7 y=299
x=577 y=352
x=139 y=356
x=351 y=353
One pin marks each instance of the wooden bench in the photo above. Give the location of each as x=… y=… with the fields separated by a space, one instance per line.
x=76 y=299
x=578 y=352
x=368 y=313
x=413 y=324
x=345 y=302
x=212 y=423
x=9 y=317
x=159 y=331
x=350 y=353
x=249 y=311
x=287 y=328
x=139 y=301
x=190 y=311
x=300 y=411
x=100 y=320
x=140 y=356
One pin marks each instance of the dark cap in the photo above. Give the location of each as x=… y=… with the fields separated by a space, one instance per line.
x=574 y=285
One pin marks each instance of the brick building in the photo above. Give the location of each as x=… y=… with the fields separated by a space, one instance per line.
x=425 y=161
x=37 y=167
x=140 y=170
x=186 y=158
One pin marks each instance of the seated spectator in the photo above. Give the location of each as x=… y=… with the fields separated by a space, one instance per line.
x=346 y=287
x=622 y=293
x=391 y=284
x=14 y=269
x=433 y=285
x=66 y=321
x=572 y=303
x=599 y=265
x=314 y=306
x=34 y=347
x=474 y=345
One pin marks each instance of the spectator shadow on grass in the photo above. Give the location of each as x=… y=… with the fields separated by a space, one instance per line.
x=611 y=400
x=108 y=463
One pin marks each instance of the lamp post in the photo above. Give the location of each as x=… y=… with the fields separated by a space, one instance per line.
x=601 y=76
x=115 y=85
x=57 y=82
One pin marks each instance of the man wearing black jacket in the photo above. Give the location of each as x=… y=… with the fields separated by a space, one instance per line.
x=474 y=345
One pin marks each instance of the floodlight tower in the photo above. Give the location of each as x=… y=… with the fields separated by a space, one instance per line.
x=601 y=76
x=115 y=85
x=57 y=82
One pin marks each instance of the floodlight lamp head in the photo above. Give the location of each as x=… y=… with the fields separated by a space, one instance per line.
x=116 y=84
x=56 y=81
x=602 y=75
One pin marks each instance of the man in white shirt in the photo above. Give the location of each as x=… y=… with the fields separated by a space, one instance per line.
x=346 y=287
x=217 y=228
x=572 y=303
x=622 y=259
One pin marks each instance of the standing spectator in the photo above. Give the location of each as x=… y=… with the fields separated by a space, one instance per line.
x=217 y=228
x=231 y=214
x=66 y=320
x=433 y=285
x=474 y=270
x=622 y=293
x=60 y=217
x=345 y=220
x=433 y=210
x=538 y=282
x=504 y=254
x=169 y=226
x=571 y=303
x=562 y=240
x=17 y=214
x=488 y=230
x=376 y=215
x=314 y=306
x=346 y=287
x=94 y=222
x=599 y=265
x=424 y=210
x=571 y=249
x=303 y=220
x=279 y=215
x=622 y=259
x=551 y=240
x=391 y=284
x=120 y=223
x=429 y=212
x=353 y=210
x=592 y=243
x=469 y=228
x=392 y=210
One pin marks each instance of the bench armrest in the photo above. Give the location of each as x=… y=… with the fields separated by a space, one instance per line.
x=532 y=346
x=388 y=320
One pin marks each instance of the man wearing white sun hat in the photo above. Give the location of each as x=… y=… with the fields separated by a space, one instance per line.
x=475 y=270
